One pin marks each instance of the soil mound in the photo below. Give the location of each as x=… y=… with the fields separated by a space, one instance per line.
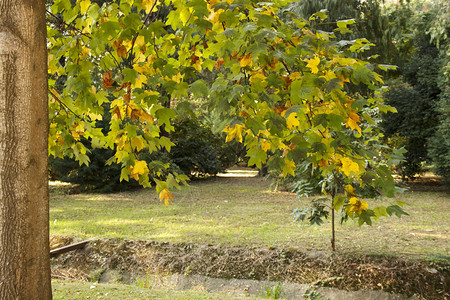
x=129 y=259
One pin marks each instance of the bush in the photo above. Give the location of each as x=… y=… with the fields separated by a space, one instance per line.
x=95 y=177
x=198 y=151
x=102 y=178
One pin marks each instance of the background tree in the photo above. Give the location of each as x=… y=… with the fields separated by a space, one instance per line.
x=439 y=149
x=419 y=93
x=24 y=229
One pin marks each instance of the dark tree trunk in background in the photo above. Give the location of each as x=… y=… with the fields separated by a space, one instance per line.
x=24 y=227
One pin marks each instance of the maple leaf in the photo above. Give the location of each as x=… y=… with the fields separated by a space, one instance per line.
x=292 y=120
x=166 y=196
x=349 y=191
x=84 y=5
x=137 y=143
x=141 y=79
x=194 y=59
x=147 y=5
x=348 y=166
x=352 y=121
x=313 y=63
x=234 y=132
x=117 y=113
x=265 y=146
x=288 y=168
x=139 y=168
x=357 y=205
x=220 y=61
x=246 y=60
x=107 y=80
x=323 y=163
x=260 y=76
x=143 y=115
x=120 y=48
x=295 y=75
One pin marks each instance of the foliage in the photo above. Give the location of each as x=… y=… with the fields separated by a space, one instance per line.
x=417 y=99
x=411 y=127
x=285 y=83
x=317 y=212
x=197 y=150
x=439 y=149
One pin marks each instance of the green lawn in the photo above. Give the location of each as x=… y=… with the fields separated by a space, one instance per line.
x=243 y=211
x=65 y=289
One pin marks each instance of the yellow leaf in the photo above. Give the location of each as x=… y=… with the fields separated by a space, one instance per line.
x=166 y=196
x=141 y=68
x=247 y=60
x=85 y=51
x=349 y=190
x=288 y=168
x=146 y=116
x=348 y=166
x=295 y=75
x=257 y=76
x=313 y=63
x=84 y=5
x=139 y=168
x=147 y=5
x=184 y=14
x=265 y=146
x=214 y=16
x=357 y=205
x=234 y=133
x=328 y=75
x=292 y=121
x=139 y=81
x=137 y=143
x=352 y=121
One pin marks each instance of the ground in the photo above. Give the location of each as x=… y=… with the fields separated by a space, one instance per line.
x=254 y=260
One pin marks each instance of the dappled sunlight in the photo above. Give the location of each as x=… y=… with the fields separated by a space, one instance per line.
x=238 y=211
x=239 y=173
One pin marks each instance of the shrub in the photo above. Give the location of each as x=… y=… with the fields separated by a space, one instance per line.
x=198 y=151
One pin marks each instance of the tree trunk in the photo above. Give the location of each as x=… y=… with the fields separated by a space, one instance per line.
x=24 y=227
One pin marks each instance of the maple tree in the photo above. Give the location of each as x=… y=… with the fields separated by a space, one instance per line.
x=288 y=89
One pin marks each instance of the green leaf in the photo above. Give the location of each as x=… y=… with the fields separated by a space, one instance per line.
x=199 y=89
x=132 y=21
x=257 y=157
x=130 y=75
x=380 y=211
x=342 y=25
x=397 y=210
x=338 y=202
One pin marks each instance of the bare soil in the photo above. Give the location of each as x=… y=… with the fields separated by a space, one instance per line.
x=125 y=260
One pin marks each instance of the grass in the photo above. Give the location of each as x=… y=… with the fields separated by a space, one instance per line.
x=65 y=289
x=242 y=211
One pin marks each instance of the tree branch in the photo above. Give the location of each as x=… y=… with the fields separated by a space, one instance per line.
x=65 y=105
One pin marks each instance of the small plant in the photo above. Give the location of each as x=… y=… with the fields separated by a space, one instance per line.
x=144 y=283
x=312 y=294
x=274 y=292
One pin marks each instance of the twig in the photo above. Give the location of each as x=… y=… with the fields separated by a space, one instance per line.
x=65 y=105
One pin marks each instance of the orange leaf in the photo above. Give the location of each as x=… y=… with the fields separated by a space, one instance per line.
x=219 y=63
x=107 y=80
x=117 y=113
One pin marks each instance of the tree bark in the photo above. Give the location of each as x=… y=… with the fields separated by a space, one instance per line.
x=24 y=227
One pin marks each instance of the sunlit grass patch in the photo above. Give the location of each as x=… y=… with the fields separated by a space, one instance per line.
x=244 y=212
x=65 y=289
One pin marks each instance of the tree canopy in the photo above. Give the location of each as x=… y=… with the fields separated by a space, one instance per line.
x=290 y=91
